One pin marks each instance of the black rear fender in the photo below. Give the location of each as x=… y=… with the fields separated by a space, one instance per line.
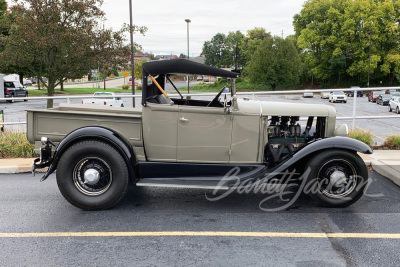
x=95 y=133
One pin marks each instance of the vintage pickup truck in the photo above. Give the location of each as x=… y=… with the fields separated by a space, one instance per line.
x=194 y=143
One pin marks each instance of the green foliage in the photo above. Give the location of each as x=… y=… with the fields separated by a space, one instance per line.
x=15 y=145
x=125 y=87
x=233 y=44
x=138 y=68
x=251 y=42
x=363 y=136
x=215 y=52
x=392 y=142
x=275 y=63
x=334 y=38
x=3 y=7
x=58 y=40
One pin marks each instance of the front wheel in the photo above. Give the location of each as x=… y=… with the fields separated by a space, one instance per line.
x=336 y=178
x=397 y=110
x=92 y=175
x=26 y=95
x=390 y=108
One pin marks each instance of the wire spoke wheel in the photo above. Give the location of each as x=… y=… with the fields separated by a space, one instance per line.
x=337 y=178
x=92 y=176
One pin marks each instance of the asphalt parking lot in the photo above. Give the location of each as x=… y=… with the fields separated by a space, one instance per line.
x=180 y=227
x=380 y=128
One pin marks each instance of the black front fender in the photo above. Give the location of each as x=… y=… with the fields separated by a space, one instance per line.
x=98 y=133
x=310 y=148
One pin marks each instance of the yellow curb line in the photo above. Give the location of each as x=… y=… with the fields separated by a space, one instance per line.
x=213 y=234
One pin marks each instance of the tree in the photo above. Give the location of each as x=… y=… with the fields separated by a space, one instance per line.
x=251 y=42
x=3 y=7
x=275 y=63
x=233 y=44
x=182 y=56
x=138 y=67
x=57 y=39
x=334 y=37
x=216 y=52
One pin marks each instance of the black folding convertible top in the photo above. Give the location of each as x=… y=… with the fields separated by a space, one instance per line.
x=183 y=66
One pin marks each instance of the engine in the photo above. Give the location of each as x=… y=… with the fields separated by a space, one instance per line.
x=285 y=137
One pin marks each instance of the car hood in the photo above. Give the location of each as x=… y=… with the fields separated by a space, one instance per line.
x=266 y=108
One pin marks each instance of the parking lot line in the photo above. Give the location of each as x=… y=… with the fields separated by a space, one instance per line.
x=213 y=234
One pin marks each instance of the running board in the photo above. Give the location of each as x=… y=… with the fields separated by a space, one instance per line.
x=181 y=183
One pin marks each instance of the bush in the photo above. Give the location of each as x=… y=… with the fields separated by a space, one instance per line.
x=139 y=87
x=392 y=142
x=363 y=136
x=125 y=87
x=15 y=145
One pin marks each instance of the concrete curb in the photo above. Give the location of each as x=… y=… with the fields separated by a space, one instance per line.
x=386 y=170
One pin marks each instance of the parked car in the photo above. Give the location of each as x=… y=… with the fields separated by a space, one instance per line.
x=390 y=91
x=199 y=78
x=106 y=99
x=351 y=93
x=372 y=96
x=27 y=82
x=338 y=96
x=383 y=99
x=306 y=95
x=324 y=95
x=137 y=82
x=223 y=144
x=394 y=104
x=13 y=90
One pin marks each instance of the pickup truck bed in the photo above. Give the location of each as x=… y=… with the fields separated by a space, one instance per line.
x=57 y=122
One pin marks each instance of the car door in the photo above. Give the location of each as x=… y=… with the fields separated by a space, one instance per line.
x=160 y=131
x=19 y=89
x=204 y=134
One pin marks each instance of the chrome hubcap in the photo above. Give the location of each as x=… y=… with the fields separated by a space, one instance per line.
x=91 y=176
x=337 y=178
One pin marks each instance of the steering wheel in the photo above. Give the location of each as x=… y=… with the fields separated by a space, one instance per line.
x=215 y=100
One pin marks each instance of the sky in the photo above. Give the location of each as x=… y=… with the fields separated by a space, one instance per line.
x=167 y=29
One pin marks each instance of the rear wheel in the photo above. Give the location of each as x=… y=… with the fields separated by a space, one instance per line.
x=92 y=175
x=390 y=108
x=26 y=95
x=397 y=110
x=337 y=178
x=12 y=100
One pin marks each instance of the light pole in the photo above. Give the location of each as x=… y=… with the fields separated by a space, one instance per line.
x=188 y=21
x=132 y=56
x=369 y=63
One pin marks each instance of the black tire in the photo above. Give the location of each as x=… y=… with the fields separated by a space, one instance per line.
x=122 y=105
x=342 y=166
x=390 y=108
x=397 y=110
x=345 y=101
x=26 y=95
x=11 y=101
x=92 y=175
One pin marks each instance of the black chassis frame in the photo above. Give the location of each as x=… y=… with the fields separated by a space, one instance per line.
x=205 y=175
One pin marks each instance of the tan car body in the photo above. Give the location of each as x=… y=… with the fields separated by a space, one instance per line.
x=175 y=133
